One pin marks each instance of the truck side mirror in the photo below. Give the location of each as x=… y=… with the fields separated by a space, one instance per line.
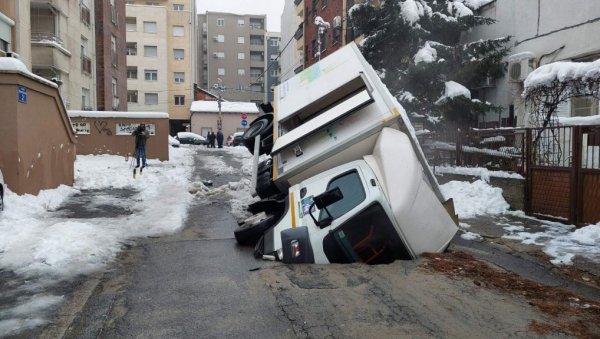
x=323 y=200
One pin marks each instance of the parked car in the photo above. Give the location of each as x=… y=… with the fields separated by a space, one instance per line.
x=237 y=139
x=191 y=138
x=173 y=142
x=2 y=189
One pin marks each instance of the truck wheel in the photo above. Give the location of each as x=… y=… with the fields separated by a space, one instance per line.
x=262 y=126
x=248 y=233
x=264 y=185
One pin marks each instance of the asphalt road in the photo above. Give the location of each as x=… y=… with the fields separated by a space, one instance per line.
x=199 y=284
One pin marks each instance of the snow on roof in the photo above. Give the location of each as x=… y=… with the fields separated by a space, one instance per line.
x=226 y=107
x=561 y=71
x=116 y=114
x=425 y=54
x=13 y=65
x=575 y=121
x=520 y=56
x=454 y=89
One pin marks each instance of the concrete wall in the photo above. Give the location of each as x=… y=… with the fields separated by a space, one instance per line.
x=38 y=144
x=568 y=28
x=103 y=138
x=231 y=122
x=513 y=190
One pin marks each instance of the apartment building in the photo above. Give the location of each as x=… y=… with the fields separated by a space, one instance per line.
x=62 y=47
x=542 y=32
x=161 y=58
x=333 y=12
x=273 y=70
x=111 y=62
x=15 y=30
x=231 y=51
x=292 y=27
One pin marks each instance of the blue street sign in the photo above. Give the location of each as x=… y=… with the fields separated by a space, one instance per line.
x=244 y=123
x=22 y=94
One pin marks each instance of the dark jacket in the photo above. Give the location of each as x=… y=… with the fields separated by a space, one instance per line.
x=140 y=137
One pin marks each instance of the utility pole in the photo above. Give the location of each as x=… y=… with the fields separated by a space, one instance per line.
x=322 y=28
x=219 y=88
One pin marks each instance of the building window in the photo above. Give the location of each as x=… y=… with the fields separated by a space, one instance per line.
x=150 y=74
x=113 y=12
x=241 y=22
x=131 y=24
x=150 y=51
x=86 y=61
x=151 y=98
x=241 y=40
x=114 y=87
x=220 y=55
x=179 y=77
x=178 y=54
x=241 y=56
x=179 y=100
x=178 y=7
x=221 y=71
x=178 y=31
x=220 y=22
x=273 y=57
x=149 y=26
x=584 y=106
x=85 y=15
x=132 y=72
x=131 y=48
x=150 y=3
x=85 y=99
x=275 y=42
x=220 y=38
x=132 y=96
x=274 y=73
x=113 y=49
x=241 y=71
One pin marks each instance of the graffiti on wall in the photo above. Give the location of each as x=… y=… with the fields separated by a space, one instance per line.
x=81 y=127
x=128 y=128
x=102 y=127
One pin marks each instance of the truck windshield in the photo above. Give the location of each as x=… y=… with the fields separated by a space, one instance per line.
x=352 y=190
x=368 y=237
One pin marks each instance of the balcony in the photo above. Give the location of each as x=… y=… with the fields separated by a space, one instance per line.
x=86 y=65
x=257 y=47
x=50 y=54
x=46 y=38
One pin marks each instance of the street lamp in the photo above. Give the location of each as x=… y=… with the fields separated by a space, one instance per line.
x=219 y=88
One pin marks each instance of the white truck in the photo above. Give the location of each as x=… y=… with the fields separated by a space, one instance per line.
x=348 y=181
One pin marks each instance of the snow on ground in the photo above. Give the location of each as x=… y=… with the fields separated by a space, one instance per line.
x=45 y=247
x=480 y=172
x=559 y=241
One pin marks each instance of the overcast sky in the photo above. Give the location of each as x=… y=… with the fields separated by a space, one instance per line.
x=272 y=8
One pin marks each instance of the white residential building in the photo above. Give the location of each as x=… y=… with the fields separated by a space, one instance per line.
x=542 y=32
x=292 y=56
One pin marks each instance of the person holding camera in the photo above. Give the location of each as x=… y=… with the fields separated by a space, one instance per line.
x=141 y=136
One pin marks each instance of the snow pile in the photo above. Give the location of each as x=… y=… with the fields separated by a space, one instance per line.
x=563 y=72
x=28 y=314
x=483 y=173
x=13 y=65
x=476 y=4
x=453 y=90
x=458 y=9
x=413 y=10
x=578 y=121
x=426 y=54
x=471 y=236
x=473 y=199
x=39 y=242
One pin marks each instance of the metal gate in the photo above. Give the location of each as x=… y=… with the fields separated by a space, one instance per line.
x=563 y=173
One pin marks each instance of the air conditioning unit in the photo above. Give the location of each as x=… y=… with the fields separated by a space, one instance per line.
x=518 y=71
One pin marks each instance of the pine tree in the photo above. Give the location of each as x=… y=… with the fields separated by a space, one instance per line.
x=416 y=47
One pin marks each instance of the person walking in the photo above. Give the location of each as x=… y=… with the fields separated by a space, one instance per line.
x=141 y=136
x=212 y=139
x=220 y=138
